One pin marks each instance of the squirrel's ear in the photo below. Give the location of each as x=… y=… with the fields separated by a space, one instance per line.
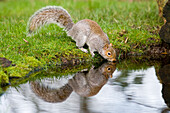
x=111 y=44
x=106 y=46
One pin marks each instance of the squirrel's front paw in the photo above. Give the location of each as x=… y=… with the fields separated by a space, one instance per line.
x=84 y=50
x=92 y=54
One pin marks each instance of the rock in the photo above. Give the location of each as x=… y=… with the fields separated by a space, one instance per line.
x=164 y=74
x=166 y=11
x=165 y=30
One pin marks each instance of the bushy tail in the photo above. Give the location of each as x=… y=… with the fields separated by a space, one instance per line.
x=50 y=14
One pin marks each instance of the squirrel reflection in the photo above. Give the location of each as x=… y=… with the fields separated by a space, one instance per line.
x=84 y=83
x=90 y=83
x=52 y=95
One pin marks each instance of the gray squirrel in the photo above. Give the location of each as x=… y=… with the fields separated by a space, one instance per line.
x=83 y=32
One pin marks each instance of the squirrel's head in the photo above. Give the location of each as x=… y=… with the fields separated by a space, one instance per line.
x=108 y=69
x=109 y=53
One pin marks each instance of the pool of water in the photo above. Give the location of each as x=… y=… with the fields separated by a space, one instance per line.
x=105 y=89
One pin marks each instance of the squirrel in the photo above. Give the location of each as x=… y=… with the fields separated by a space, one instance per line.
x=83 y=32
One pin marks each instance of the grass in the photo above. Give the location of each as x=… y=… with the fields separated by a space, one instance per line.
x=131 y=27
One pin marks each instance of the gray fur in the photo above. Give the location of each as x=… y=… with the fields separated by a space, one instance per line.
x=38 y=20
x=82 y=34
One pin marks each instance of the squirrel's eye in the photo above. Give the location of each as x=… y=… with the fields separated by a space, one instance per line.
x=109 y=53
x=108 y=69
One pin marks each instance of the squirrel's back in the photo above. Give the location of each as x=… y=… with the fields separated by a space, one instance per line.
x=50 y=14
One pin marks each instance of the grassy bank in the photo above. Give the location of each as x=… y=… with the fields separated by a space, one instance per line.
x=131 y=27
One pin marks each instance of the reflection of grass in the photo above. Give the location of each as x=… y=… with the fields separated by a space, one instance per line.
x=60 y=71
x=137 y=63
x=51 y=72
x=139 y=20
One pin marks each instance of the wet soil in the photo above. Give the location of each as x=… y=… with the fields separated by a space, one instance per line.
x=152 y=51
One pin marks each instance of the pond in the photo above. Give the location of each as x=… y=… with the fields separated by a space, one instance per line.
x=126 y=87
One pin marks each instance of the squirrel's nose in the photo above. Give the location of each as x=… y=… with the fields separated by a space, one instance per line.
x=113 y=60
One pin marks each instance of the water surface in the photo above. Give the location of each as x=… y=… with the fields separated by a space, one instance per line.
x=103 y=89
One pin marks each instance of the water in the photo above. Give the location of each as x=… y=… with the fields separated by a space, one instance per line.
x=105 y=89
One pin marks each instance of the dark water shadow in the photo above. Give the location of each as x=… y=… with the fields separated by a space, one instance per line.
x=164 y=75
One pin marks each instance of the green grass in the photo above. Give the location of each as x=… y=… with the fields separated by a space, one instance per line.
x=139 y=19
